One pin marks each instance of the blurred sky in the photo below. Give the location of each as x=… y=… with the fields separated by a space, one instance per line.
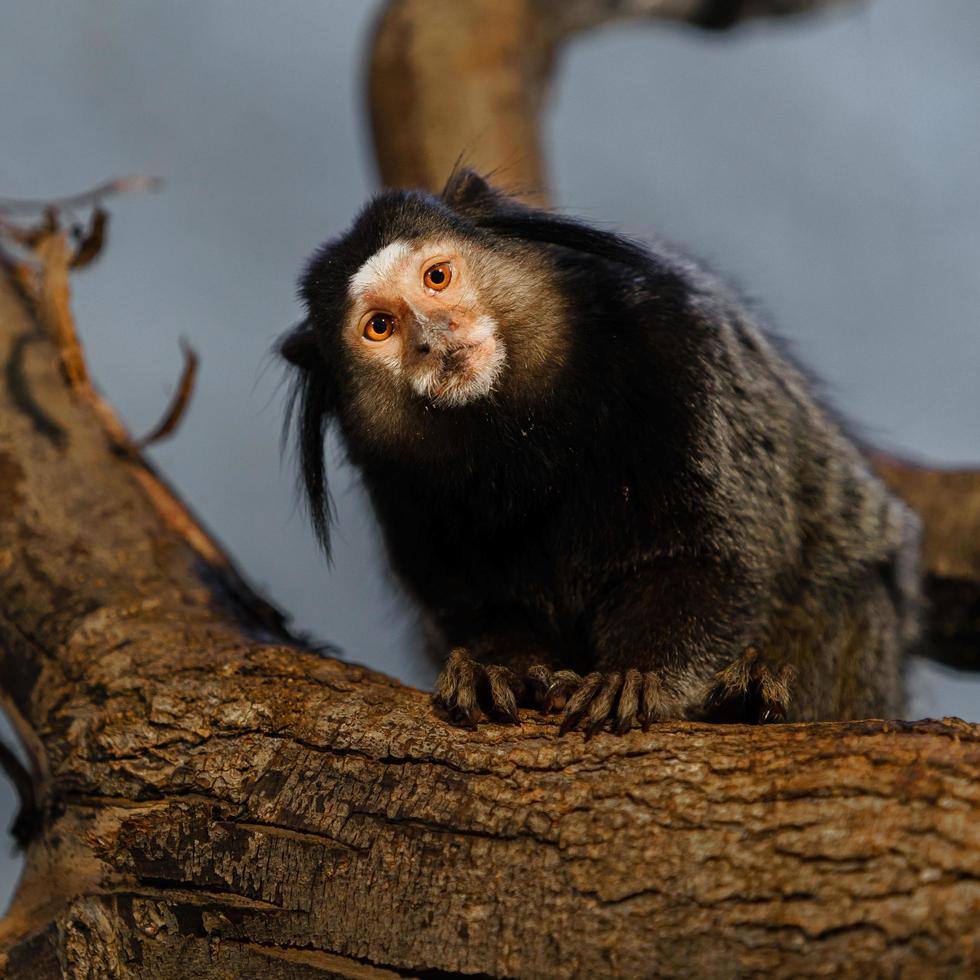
x=830 y=165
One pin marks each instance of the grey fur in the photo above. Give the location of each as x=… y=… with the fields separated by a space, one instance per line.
x=652 y=515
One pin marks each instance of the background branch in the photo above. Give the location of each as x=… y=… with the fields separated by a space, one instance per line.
x=472 y=78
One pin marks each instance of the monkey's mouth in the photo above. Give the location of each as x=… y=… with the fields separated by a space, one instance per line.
x=457 y=365
x=461 y=373
x=457 y=358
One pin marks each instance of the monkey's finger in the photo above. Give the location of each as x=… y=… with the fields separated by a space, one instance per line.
x=447 y=684
x=602 y=704
x=445 y=692
x=540 y=678
x=456 y=688
x=501 y=682
x=629 y=701
x=654 y=701
x=459 y=667
x=464 y=710
x=736 y=678
x=774 y=689
x=563 y=684
x=579 y=701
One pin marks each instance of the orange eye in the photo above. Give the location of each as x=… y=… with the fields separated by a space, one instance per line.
x=438 y=276
x=380 y=327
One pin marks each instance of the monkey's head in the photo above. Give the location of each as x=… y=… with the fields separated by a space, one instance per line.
x=429 y=314
x=423 y=321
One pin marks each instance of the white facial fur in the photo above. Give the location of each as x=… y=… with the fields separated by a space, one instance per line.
x=381 y=268
x=445 y=347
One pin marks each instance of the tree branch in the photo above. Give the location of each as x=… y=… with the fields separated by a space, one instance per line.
x=449 y=78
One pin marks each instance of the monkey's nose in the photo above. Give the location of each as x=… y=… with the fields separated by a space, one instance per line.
x=432 y=335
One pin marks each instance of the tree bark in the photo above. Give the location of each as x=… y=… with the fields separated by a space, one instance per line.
x=214 y=800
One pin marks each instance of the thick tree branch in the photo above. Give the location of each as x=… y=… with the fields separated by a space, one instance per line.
x=216 y=801
x=449 y=79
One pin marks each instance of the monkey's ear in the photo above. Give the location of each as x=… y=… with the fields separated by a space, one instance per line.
x=469 y=194
x=310 y=407
x=299 y=347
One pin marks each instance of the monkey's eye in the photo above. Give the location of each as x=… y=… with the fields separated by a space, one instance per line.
x=438 y=276
x=380 y=327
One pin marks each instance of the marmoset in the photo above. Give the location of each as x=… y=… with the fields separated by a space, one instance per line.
x=607 y=486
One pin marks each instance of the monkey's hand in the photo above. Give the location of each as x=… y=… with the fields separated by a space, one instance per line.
x=466 y=688
x=628 y=698
x=750 y=690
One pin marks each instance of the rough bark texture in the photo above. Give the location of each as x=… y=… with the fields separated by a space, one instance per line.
x=215 y=801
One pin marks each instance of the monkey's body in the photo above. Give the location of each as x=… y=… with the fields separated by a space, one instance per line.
x=648 y=514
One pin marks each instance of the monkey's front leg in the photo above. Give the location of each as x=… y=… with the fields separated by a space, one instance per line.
x=627 y=697
x=749 y=690
x=488 y=677
x=676 y=643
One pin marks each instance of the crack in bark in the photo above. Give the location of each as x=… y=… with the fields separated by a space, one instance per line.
x=333 y=961
x=317 y=837
x=172 y=887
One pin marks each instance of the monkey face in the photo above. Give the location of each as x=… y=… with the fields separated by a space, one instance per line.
x=433 y=320
x=417 y=314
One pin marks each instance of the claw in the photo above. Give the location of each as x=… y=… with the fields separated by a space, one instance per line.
x=751 y=690
x=466 y=687
x=654 y=706
x=774 y=689
x=540 y=678
x=623 y=699
x=502 y=683
x=602 y=704
x=552 y=688
x=629 y=701
x=463 y=718
x=579 y=702
x=564 y=683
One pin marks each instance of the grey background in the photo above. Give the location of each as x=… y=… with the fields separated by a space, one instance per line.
x=832 y=166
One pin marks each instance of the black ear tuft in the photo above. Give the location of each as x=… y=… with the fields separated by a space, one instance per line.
x=469 y=194
x=309 y=409
x=299 y=346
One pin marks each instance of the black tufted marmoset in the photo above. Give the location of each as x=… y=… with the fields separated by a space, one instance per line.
x=605 y=485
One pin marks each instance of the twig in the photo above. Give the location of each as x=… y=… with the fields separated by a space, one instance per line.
x=54 y=305
x=178 y=405
x=92 y=241
x=89 y=198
